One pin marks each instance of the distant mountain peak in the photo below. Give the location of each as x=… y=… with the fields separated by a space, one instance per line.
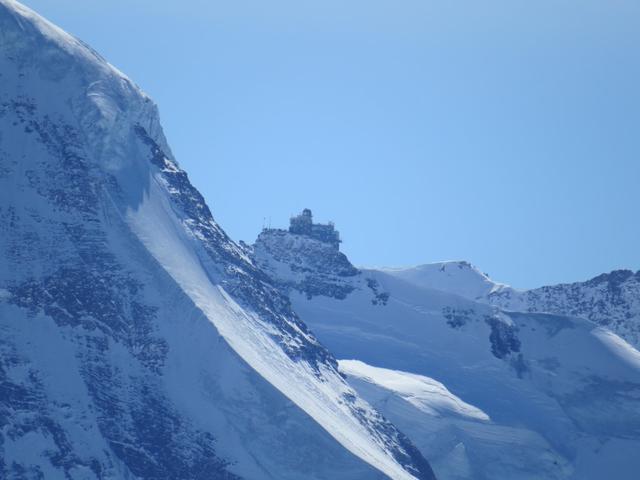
x=458 y=276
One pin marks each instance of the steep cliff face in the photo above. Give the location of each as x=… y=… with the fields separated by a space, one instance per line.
x=137 y=340
x=304 y=264
x=485 y=392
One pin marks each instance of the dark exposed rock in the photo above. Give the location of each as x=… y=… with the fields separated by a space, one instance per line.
x=504 y=337
x=456 y=317
x=310 y=266
x=379 y=298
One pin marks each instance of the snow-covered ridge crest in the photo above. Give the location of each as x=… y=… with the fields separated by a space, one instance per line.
x=611 y=300
x=103 y=100
x=458 y=277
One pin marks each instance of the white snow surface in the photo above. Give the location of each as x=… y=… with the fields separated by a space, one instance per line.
x=618 y=346
x=458 y=277
x=424 y=393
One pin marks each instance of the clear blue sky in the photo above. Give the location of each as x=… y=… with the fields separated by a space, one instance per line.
x=504 y=132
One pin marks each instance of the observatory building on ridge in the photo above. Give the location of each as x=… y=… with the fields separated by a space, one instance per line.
x=303 y=225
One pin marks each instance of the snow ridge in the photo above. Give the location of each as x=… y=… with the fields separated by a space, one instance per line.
x=611 y=300
x=426 y=394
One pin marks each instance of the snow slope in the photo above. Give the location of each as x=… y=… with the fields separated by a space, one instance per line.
x=138 y=340
x=425 y=394
x=457 y=277
x=611 y=299
x=463 y=445
x=559 y=393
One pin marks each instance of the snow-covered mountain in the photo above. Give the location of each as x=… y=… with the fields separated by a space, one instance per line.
x=611 y=299
x=457 y=277
x=484 y=392
x=137 y=340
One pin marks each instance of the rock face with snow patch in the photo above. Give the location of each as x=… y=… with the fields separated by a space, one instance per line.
x=304 y=263
x=611 y=300
x=299 y=261
x=137 y=340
